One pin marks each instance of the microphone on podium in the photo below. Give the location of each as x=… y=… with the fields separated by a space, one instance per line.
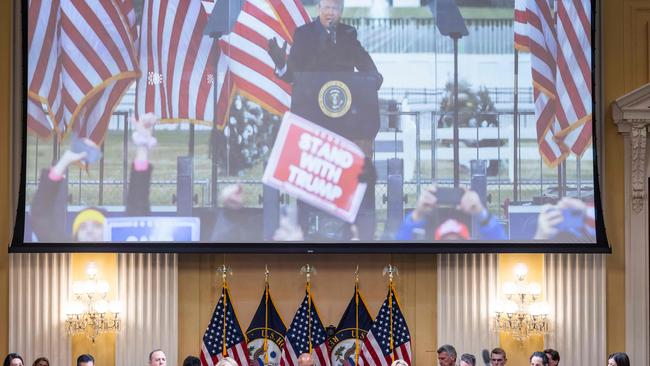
x=331 y=29
x=486 y=357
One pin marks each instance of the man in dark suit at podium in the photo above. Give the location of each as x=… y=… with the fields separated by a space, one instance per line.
x=324 y=45
x=321 y=46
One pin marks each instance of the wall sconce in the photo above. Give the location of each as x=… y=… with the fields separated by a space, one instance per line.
x=90 y=313
x=521 y=314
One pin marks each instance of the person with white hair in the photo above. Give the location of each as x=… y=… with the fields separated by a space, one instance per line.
x=227 y=361
x=399 y=362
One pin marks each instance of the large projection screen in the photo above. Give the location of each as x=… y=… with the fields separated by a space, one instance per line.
x=310 y=126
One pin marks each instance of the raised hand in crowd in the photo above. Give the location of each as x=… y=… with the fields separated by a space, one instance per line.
x=426 y=204
x=232 y=197
x=567 y=218
x=143 y=137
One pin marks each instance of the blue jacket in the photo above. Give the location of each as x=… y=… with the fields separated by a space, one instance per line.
x=491 y=230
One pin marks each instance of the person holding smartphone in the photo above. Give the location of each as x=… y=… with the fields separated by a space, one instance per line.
x=465 y=201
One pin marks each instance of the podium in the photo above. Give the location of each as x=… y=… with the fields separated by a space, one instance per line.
x=343 y=102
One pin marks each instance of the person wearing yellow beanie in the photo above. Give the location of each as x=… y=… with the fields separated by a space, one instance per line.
x=88 y=226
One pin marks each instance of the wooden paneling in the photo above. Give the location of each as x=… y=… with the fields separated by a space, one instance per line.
x=625 y=67
x=6 y=214
x=37 y=299
x=147 y=285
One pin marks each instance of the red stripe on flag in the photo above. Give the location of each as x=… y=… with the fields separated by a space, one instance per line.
x=272 y=23
x=161 y=34
x=149 y=103
x=87 y=50
x=576 y=48
x=570 y=86
x=285 y=17
x=269 y=99
x=258 y=66
x=188 y=67
x=204 y=92
x=102 y=33
x=44 y=56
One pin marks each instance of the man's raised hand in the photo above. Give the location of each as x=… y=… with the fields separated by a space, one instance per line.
x=278 y=55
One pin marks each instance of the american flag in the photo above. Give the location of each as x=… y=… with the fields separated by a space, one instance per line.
x=177 y=62
x=573 y=77
x=245 y=66
x=542 y=40
x=306 y=333
x=389 y=338
x=212 y=348
x=519 y=25
x=81 y=61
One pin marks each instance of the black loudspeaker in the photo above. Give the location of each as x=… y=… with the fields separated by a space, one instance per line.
x=395 y=191
x=271 y=209
x=478 y=184
x=184 y=186
x=393 y=118
x=478 y=172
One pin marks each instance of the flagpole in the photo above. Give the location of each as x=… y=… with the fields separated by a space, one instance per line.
x=391 y=271
x=515 y=155
x=224 y=270
x=266 y=314
x=308 y=270
x=356 y=316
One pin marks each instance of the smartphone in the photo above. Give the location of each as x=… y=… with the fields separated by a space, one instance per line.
x=449 y=196
x=93 y=154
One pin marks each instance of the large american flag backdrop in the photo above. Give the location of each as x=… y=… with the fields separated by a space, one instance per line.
x=83 y=60
x=219 y=342
x=389 y=338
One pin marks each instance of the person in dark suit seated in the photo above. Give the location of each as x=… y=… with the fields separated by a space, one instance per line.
x=323 y=45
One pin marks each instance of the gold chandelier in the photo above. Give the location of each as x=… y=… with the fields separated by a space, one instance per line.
x=521 y=314
x=90 y=313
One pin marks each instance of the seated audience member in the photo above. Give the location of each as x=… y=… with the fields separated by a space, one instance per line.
x=399 y=363
x=48 y=213
x=498 y=357
x=447 y=355
x=538 y=359
x=305 y=359
x=86 y=360
x=553 y=356
x=13 y=359
x=470 y=204
x=227 y=361
x=41 y=361
x=570 y=220
x=467 y=360
x=618 y=359
x=191 y=361
x=157 y=358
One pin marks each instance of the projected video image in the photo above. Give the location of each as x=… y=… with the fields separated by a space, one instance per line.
x=310 y=121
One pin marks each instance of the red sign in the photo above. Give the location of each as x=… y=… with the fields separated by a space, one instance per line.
x=317 y=166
